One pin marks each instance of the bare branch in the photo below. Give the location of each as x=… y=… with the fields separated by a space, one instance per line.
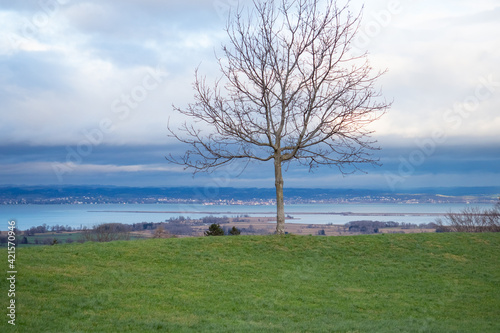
x=289 y=91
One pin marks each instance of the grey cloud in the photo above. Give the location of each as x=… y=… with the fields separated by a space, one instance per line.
x=133 y=164
x=137 y=19
x=26 y=6
x=137 y=32
x=35 y=71
x=124 y=53
x=50 y=96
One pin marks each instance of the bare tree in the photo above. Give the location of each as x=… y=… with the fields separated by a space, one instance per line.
x=290 y=91
x=472 y=219
x=160 y=232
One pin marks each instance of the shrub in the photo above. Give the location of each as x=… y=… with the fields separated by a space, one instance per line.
x=214 y=230
x=160 y=232
x=471 y=219
x=234 y=231
x=48 y=241
x=107 y=232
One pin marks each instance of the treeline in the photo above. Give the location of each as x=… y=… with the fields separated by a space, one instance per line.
x=44 y=228
x=373 y=227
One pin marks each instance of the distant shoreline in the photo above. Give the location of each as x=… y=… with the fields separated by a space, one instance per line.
x=261 y=213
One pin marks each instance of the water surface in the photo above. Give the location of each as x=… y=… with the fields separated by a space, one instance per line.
x=88 y=215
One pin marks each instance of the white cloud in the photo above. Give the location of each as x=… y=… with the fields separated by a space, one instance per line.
x=65 y=77
x=437 y=55
x=44 y=168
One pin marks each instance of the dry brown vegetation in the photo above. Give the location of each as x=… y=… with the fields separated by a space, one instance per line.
x=472 y=219
x=267 y=225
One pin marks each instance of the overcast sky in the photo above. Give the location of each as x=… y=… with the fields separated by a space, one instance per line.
x=87 y=87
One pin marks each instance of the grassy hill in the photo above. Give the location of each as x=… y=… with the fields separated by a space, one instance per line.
x=385 y=283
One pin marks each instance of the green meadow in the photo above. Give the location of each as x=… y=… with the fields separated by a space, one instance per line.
x=430 y=282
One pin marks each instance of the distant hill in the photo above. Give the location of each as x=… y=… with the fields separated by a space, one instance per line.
x=112 y=194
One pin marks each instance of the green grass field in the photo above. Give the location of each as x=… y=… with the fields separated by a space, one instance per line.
x=379 y=283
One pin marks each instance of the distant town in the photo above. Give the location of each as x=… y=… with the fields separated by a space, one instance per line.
x=92 y=195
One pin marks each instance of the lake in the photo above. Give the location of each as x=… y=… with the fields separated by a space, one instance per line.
x=88 y=215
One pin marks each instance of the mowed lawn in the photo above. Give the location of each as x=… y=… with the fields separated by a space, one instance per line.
x=376 y=283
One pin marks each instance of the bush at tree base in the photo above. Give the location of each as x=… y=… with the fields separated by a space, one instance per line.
x=214 y=230
x=234 y=231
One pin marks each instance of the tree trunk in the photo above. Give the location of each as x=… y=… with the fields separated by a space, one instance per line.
x=280 y=206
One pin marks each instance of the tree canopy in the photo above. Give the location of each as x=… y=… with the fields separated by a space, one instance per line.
x=291 y=90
